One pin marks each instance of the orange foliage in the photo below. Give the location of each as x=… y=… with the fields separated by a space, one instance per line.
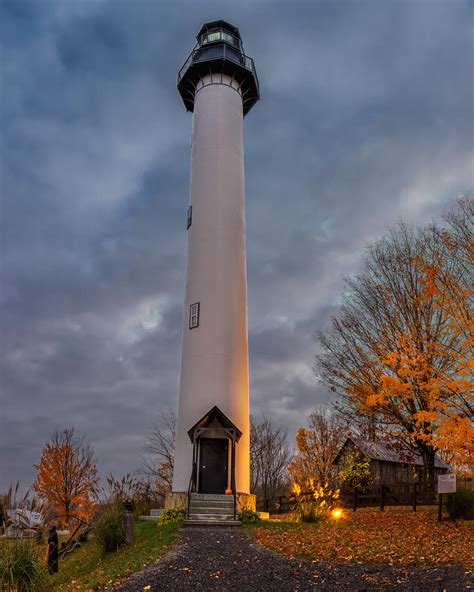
x=441 y=395
x=67 y=477
x=317 y=446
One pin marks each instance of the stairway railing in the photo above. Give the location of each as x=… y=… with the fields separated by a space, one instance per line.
x=191 y=487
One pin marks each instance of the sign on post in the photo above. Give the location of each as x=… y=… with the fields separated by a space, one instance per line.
x=447 y=483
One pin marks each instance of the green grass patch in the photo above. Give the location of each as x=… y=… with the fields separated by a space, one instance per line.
x=89 y=568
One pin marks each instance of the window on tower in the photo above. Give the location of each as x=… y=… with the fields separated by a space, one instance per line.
x=194 y=315
x=220 y=36
x=213 y=37
x=190 y=217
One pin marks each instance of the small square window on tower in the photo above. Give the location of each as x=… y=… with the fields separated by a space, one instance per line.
x=194 y=315
x=190 y=217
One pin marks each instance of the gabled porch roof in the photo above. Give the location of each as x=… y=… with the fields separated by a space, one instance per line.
x=215 y=414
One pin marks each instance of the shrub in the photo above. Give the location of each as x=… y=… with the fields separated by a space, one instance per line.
x=248 y=516
x=140 y=508
x=39 y=535
x=461 y=503
x=21 y=569
x=109 y=530
x=355 y=471
x=314 y=504
x=172 y=515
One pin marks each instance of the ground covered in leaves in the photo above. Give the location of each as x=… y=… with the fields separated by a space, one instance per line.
x=396 y=536
x=217 y=559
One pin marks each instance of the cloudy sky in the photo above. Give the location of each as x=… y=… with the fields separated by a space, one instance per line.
x=365 y=118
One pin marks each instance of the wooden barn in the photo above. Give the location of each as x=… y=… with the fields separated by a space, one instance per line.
x=389 y=464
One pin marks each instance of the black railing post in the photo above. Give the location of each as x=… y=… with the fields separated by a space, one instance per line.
x=440 y=507
x=382 y=497
x=354 y=505
x=415 y=495
x=233 y=476
x=192 y=481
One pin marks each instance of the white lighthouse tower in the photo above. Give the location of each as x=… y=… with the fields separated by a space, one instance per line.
x=218 y=83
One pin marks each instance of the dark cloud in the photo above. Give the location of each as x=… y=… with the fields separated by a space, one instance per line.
x=365 y=119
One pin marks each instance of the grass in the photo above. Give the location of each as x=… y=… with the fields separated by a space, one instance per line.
x=396 y=536
x=89 y=569
x=21 y=567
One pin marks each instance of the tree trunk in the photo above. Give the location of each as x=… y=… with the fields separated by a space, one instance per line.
x=428 y=456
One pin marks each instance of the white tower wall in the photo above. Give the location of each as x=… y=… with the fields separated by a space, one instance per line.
x=214 y=361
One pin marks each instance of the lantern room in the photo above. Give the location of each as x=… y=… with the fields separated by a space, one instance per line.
x=219 y=51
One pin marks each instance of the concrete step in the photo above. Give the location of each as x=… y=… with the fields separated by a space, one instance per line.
x=190 y=522
x=212 y=496
x=213 y=505
x=215 y=517
x=225 y=499
x=155 y=512
x=207 y=510
x=148 y=518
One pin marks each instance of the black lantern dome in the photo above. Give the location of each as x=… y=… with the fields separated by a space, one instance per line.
x=219 y=50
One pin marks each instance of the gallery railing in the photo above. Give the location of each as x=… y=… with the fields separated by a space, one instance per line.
x=215 y=52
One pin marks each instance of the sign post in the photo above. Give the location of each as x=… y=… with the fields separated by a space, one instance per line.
x=446 y=484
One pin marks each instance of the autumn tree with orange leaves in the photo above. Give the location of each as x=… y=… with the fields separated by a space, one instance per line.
x=399 y=348
x=317 y=445
x=67 y=476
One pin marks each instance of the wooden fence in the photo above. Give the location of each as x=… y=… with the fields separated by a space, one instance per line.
x=411 y=494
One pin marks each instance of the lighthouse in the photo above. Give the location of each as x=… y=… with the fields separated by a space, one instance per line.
x=219 y=85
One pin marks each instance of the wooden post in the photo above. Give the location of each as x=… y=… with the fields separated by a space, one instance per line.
x=354 y=506
x=415 y=495
x=440 y=507
x=382 y=497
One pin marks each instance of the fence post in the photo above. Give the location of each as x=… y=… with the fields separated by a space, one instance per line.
x=354 y=506
x=279 y=505
x=415 y=495
x=440 y=507
x=382 y=497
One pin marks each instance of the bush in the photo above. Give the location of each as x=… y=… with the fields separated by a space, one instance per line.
x=141 y=508
x=461 y=503
x=172 y=515
x=315 y=504
x=355 y=471
x=21 y=569
x=248 y=516
x=39 y=535
x=109 y=530
x=306 y=510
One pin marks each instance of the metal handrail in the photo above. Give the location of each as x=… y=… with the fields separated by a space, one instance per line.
x=192 y=485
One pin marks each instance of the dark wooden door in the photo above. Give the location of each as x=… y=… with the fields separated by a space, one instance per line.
x=213 y=465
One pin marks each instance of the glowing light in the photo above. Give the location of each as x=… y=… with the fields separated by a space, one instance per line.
x=337 y=514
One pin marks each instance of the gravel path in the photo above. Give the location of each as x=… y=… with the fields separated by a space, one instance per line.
x=227 y=559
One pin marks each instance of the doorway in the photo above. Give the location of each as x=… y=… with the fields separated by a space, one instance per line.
x=213 y=460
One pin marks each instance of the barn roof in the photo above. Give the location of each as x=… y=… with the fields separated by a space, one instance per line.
x=388 y=452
